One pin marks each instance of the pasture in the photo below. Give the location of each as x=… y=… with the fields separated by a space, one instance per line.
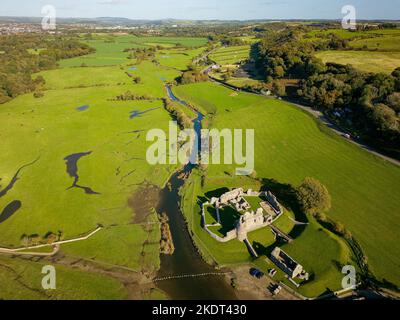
x=387 y=43
x=341 y=33
x=231 y=55
x=289 y=146
x=178 y=59
x=71 y=284
x=372 y=51
x=315 y=249
x=79 y=118
x=363 y=60
x=110 y=48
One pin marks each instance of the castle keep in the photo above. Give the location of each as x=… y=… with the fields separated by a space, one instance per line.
x=249 y=220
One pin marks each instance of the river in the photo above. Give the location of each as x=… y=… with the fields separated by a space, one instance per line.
x=186 y=260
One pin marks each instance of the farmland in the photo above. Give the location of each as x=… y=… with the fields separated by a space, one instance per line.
x=78 y=116
x=364 y=60
x=73 y=285
x=73 y=159
x=291 y=146
x=231 y=55
x=110 y=49
x=371 y=51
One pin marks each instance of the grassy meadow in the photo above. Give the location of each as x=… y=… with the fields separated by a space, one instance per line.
x=372 y=51
x=178 y=58
x=231 y=55
x=364 y=60
x=110 y=49
x=78 y=114
x=21 y=280
x=290 y=145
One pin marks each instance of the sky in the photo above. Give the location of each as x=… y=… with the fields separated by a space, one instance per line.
x=205 y=9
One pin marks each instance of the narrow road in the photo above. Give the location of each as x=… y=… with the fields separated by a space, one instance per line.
x=56 y=249
x=55 y=245
x=322 y=118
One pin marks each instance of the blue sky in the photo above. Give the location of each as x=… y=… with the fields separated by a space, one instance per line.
x=205 y=9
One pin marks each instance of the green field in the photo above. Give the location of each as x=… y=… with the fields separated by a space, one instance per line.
x=109 y=48
x=231 y=55
x=383 y=44
x=342 y=33
x=363 y=60
x=290 y=145
x=188 y=42
x=349 y=35
x=52 y=128
x=178 y=58
x=77 y=114
x=21 y=280
x=319 y=251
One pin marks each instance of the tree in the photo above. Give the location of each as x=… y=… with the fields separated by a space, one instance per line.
x=279 y=89
x=25 y=240
x=50 y=238
x=38 y=94
x=393 y=101
x=313 y=196
x=396 y=73
x=385 y=118
x=192 y=76
x=279 y=72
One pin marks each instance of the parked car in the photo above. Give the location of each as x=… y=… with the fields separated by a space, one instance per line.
x=277 y=290
x=256 y=273
x=274 y=289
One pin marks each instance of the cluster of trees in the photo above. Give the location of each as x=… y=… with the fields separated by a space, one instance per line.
x=332 y=42
x=313 y=197
x=181 y=117
x=286 y=54
x=35 y=239
x=282 y=54
x=136 y=80
x=129 y=96
x=192 y=75
x=166 y=242
x=367 y=102
x=370 y=102
x=62 y=48
x=19 y=61
x=141 y=54
x=231 y=41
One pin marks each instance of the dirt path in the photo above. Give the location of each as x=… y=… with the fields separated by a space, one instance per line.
x=55 y=245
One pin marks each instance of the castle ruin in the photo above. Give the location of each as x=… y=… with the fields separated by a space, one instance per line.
x=249 y=221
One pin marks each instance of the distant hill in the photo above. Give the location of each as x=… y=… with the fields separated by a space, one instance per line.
x=118 y=21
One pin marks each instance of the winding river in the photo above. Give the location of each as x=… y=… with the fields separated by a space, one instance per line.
x=186 y=260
